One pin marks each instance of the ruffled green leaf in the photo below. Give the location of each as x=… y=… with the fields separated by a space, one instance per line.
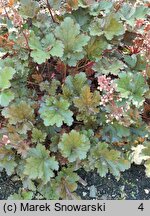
x=113 y=27
x=6 y=75
x=52 y=46
x=21 y=195
x=74 y=85
x=69 y=33
x=132 y=87
x=88 y=101
x=49 y=46
x=102 y=6
x=39 y=164
x=95 y=47
x=39 y=56
x=67 y=183
x=38 y=136
x=110 y=27
x=56 y=112
x=87 y=104
x=144 y=153
x=129 y=13
x=6 y=97
x=130 y=60
x=108 y=66
x=7 y=160
x=74 y=146
x=55 y=4
x=19 y=113
x=29 y=8
x=50 y=87
x=105 y=159
x=49 y=191
x=115 y=132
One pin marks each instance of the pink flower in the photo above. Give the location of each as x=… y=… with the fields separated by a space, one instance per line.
x=107 y=88
x=5 y=140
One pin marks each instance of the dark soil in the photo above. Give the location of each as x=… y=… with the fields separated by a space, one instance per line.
x=7 y=186
x=133 y=185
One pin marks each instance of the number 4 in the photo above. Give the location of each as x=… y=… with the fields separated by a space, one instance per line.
x=141 y=207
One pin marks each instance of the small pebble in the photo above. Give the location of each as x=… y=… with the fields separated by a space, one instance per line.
x=84 y=194
x=93 y=191
x=104 y=197
x=146 y=191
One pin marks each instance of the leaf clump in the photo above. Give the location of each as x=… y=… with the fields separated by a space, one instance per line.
x=39 y=164
x=74 y=92
x=74 y=146
x=104 y=159
x=69 y=33
x=56 y=112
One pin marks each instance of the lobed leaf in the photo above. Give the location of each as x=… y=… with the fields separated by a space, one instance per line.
x=69 y=33
x=49 y=46
x=74 y=85
x=39 y=165
x=22 y=195
x=29 y=8
x=19 y=113
x=87 y=102
x=6 y=97
x=110 y=27
x=56 y=112
x=132 y=87
x=74 y=146
x=105 y=159
x=108 y=66
x=6 y=75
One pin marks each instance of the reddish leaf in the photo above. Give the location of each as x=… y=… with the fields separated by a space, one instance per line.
x=60 y=67
x=147 y=28
x=139 y=23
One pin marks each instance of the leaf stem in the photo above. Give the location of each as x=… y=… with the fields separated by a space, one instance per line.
x=26 y=39
x=50 y=11
x=83 y=66
x=32 y=83
x=64 y=73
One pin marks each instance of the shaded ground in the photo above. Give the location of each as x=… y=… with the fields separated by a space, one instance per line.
x=133 y=184
x=7 y=186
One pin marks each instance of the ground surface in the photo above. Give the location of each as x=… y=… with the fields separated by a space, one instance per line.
x=133 y=184
x=7 y=186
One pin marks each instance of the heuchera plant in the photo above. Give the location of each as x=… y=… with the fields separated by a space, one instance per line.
x=74 y=92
